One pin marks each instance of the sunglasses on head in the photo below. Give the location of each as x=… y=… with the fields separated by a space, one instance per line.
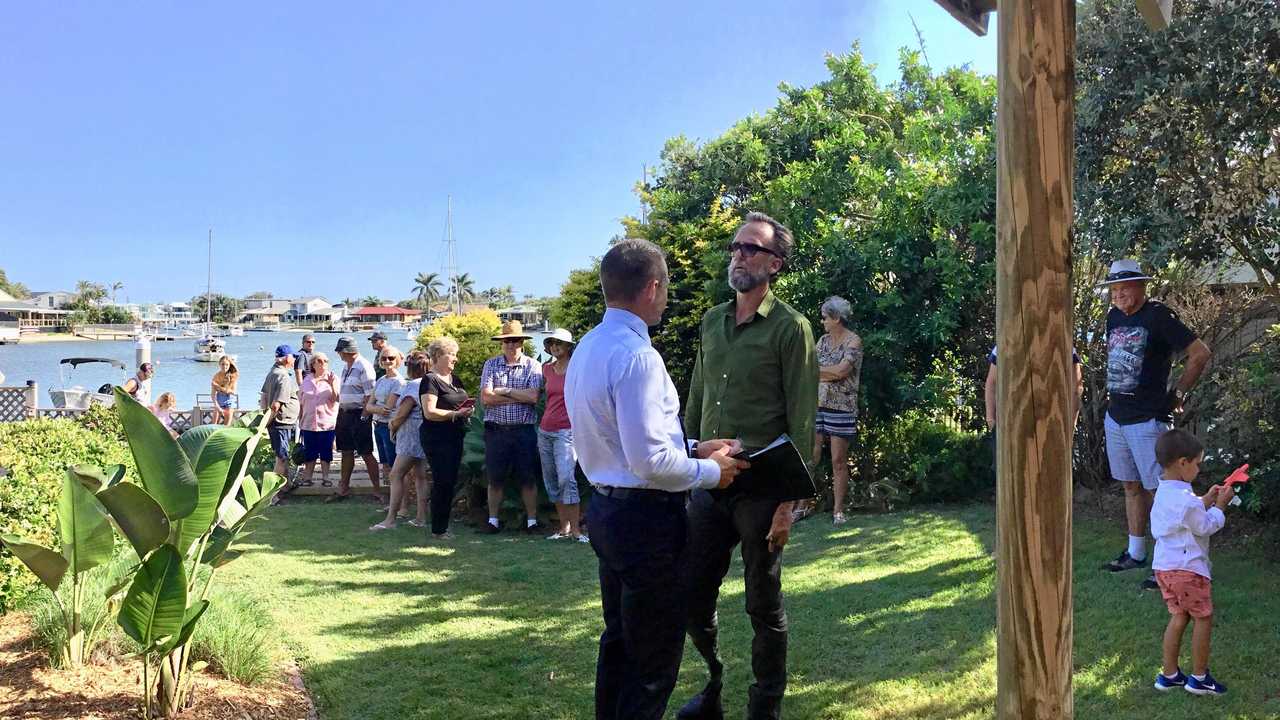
x=749 y=250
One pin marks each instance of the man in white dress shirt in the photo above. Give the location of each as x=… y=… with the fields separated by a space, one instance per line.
x=626 y=416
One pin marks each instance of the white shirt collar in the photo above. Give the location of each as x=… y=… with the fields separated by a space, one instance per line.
x=629 y=319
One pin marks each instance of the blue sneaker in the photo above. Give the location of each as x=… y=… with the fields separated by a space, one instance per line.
x=1168 y=683
x=1207 y=686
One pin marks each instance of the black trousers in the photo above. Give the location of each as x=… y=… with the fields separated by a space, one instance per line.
x=443 y=448
x=639 y=542
x=718 y=522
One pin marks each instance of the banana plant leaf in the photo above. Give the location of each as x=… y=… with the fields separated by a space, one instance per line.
x=83 y=527
x=212 y=453
x=166 y=473
x=140 y=518
x=154 y=609
x=189 y=620
x=48 y=565
x=95 y=478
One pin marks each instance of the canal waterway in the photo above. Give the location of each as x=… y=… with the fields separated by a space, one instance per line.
x=176 y=371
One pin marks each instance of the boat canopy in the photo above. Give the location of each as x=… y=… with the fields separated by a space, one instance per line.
x=75 y=361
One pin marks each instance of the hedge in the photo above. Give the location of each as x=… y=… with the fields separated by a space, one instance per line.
x=33 y=457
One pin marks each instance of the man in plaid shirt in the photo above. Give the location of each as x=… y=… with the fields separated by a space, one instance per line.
x=509 y=387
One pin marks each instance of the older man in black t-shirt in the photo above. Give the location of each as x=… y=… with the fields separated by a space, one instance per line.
x=1143 y=336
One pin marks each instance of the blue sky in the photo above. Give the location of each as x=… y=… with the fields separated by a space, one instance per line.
x=320 y=140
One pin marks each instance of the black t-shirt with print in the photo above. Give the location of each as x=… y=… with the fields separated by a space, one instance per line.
x=1140 y=350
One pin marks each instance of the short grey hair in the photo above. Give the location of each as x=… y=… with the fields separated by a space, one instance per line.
x=838 y=308
x=440 y=346
x=783 y=242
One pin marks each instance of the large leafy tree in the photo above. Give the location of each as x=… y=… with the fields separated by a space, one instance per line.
x=226 y=309
x=581 y=302
x=1178 y=134
x=890 y=194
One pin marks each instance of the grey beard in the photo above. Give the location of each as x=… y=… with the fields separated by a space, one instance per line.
x=746 y=282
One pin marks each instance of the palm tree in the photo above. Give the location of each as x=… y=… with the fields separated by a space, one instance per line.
x=88 y=292
x=370 y=301
x=347 y=302
x=464 y=288
x=117 y=285
x=426 y=287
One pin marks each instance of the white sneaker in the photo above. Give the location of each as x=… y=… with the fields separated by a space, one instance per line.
x=584 y=539
x=557 y=536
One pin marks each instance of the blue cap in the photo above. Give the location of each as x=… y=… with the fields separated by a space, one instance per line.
x=283 y=351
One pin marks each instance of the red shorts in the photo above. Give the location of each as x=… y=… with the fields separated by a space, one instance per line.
x=1186 y=592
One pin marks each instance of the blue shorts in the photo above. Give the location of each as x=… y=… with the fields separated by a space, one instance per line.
x=281 y=438
x=317 y=445
x=1131 y=451
x=385 y=443
x=223 y=400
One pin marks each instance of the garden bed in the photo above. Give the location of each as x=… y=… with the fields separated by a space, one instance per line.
x=111 y=689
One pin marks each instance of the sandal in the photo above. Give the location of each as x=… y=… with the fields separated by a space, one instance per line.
x=337 y=498
x=381 y=526
x=416 y=523
x=326 y=483
x=838 y=518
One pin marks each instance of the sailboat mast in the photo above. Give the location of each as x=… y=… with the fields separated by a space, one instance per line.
x=455 y=293
x=208 y=290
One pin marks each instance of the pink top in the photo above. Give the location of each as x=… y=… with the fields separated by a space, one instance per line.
x=164 y=416
x=555 y=416
x=319 y=403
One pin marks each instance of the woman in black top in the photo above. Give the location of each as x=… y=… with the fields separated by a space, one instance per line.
x=446 y=409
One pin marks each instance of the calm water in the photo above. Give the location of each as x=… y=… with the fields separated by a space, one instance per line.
x=176 y=372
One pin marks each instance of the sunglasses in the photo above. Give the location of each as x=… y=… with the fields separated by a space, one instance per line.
x=388 y=359
x=749 y=250
x=512 y=342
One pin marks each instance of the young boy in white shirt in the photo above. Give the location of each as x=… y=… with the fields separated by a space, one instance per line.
x=1181 y=523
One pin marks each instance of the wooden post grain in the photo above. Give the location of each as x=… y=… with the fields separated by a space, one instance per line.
x=1035 y=121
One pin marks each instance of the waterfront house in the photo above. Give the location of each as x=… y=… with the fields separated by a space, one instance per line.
x=308 y=311
x=52 y=299
x=528 y=315
x=371 y=316
x=29 y=316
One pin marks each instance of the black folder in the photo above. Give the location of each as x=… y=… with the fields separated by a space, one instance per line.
x=777 y=470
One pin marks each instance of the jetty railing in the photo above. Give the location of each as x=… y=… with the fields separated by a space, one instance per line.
x=21 y=403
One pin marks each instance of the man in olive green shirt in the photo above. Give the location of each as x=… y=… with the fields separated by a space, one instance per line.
x=755 y=378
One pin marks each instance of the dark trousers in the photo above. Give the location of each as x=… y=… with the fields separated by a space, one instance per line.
x=639 y=542
x=716 y=524
x=444 y=455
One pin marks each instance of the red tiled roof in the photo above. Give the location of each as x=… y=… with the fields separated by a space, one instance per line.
x=385 y=310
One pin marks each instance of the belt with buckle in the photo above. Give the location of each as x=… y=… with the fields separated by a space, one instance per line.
x=622 y=493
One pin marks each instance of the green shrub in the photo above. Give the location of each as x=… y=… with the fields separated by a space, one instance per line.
x=34 y=455
x=50 y=629
x=1245 y=427
x=237 y=638
x=102 y=420
x=931 y=461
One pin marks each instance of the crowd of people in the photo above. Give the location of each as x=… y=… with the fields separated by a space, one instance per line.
x=665 y=516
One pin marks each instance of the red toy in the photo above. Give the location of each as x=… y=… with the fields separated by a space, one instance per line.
x=1239 y=475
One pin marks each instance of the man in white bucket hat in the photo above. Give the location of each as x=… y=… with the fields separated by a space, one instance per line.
x=1143 y=336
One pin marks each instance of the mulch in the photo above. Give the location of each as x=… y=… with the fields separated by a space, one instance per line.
x=111 y=689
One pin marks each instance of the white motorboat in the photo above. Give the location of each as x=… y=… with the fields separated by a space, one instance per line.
x=236 y=331
x=77 y=396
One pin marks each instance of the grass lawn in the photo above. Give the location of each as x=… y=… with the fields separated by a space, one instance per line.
x=892 y=616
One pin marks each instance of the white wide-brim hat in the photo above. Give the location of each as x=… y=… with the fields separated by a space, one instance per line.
x=560 y=334
x=1124 y=271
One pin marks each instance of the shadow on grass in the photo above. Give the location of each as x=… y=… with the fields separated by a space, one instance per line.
x=891 y=616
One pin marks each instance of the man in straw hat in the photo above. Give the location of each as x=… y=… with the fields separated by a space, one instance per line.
x=1143 y=336
x=509 y=387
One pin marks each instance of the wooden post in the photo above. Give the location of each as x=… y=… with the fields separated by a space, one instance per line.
x=1035 y=121
x=33 y=399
